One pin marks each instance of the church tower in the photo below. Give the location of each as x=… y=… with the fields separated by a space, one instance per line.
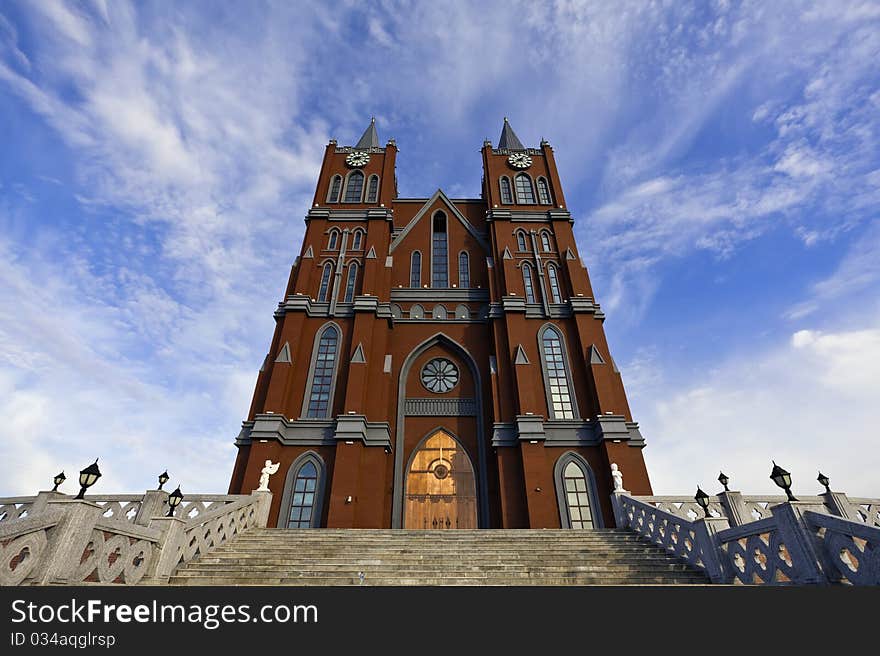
x=439 y=363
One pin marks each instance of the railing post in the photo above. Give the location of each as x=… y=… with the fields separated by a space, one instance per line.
x=734 y=508
x=42 y=500
x=69 y=539
x=796 y=534
x=263 y=502
x=151 y=506
x=617 y=507
x=706 y=534
x=173 y=536
x=839 y=504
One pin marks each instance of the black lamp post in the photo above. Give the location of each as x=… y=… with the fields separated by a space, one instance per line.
x=163 y=478
x=88 y=477
x=824 y=481
x=702 y=500
x=174 y=500
x=724 y=481
x=58 y=480
x=783 y=479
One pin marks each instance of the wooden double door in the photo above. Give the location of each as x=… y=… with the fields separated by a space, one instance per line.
x=440 y=486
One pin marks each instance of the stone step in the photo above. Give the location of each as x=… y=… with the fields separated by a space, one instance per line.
x=445 y=581
x=395 y=566
x=274 y=560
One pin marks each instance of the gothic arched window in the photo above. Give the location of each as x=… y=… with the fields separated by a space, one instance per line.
x=553 y=277
x=351 y=282
x=335 y=185
x=576 y=493
x=544 y=192
x=357 y=239
x=303 y=493
x=525 y=194
x=439 y=252
x=506 y=193
x=545 y=241
x=415 y=270
x=560 y=399
x=528 y=284
x=521 y=240
x=322 y=376
x=464 y=270
x=325 y=282
x=333 y=241
x=354 y=188
x=373 y=189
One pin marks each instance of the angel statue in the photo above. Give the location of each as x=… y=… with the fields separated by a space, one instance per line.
x=617 y=476
x=265 y=473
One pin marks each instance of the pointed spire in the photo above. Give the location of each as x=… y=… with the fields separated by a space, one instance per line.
x=508 y=139
x=370 y=138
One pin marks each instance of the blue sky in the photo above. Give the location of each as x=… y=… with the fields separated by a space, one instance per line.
x=720 y=158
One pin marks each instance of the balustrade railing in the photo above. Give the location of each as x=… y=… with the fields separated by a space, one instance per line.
x=116 y=539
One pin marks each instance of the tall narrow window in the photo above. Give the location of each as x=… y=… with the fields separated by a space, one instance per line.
x=356 y=240
x=506 y=193
x=325 y=282
x=577 y=499
x=354 y=188
x=351 y=282
x=525 y=194
x=527 y=283
x=439 y=255
x=464 y=270
x=335 y=184
x=554 y=283
x=559 y=397
x=544 y=192
x=373 y=189
x=334 y=236
x=521 y=241
x=323 y=370
x=545 y=241
x=415 y=270
x=302 y=502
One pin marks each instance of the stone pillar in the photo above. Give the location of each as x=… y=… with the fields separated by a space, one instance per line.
x=264 y=502
x=706 y=534
x=43 y=498
x=173 y=536
x=68 y=539
x=796 y=534
x=152 y=505
x=620 y=518
x=734 y=507
x=839 y=505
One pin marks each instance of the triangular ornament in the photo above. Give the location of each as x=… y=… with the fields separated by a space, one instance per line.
x=569 y=254
x=506 y=255
x=284 y=354
x=520 y=357
x=595 y=356
x=371 y=254
x=358 y=355
x=309 y=252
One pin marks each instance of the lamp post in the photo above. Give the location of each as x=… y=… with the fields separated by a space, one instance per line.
x=783 y=479
x=174 y=500
x=163 y=478
x=58 y=480
x=824 y=481
x=724 y=481
x=87 y=478
x=702 y=500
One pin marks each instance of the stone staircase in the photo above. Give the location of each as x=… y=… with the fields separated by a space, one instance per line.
x=474 y=557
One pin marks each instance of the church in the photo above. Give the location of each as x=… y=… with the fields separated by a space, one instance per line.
x=439 y=363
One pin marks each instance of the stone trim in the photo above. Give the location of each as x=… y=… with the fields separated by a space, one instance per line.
x=421 y=295
x=314 y=432
x=439 y=407
x=567 y=432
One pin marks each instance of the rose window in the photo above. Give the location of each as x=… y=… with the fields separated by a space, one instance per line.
x=439 y=375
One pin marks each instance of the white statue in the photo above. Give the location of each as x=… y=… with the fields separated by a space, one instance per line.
x=265 y=473
x=617 y=475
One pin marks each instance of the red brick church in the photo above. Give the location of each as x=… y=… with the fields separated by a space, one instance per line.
x=439 y=363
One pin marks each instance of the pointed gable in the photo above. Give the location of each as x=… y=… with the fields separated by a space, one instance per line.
x=426 y=211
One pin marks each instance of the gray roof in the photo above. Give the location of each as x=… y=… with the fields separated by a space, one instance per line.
x=370 y=138
x=509 y=139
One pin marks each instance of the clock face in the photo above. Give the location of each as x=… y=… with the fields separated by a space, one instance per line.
x=357 y=158
x=439 y=375
x=519 y=161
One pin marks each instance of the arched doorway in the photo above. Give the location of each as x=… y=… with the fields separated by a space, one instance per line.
x=440 y=488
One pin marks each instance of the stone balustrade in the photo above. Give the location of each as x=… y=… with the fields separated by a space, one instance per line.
x=760 y=540
x=117 y=539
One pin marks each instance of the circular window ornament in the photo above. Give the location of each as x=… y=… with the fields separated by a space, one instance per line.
x=441 y=470
x=439 y=375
